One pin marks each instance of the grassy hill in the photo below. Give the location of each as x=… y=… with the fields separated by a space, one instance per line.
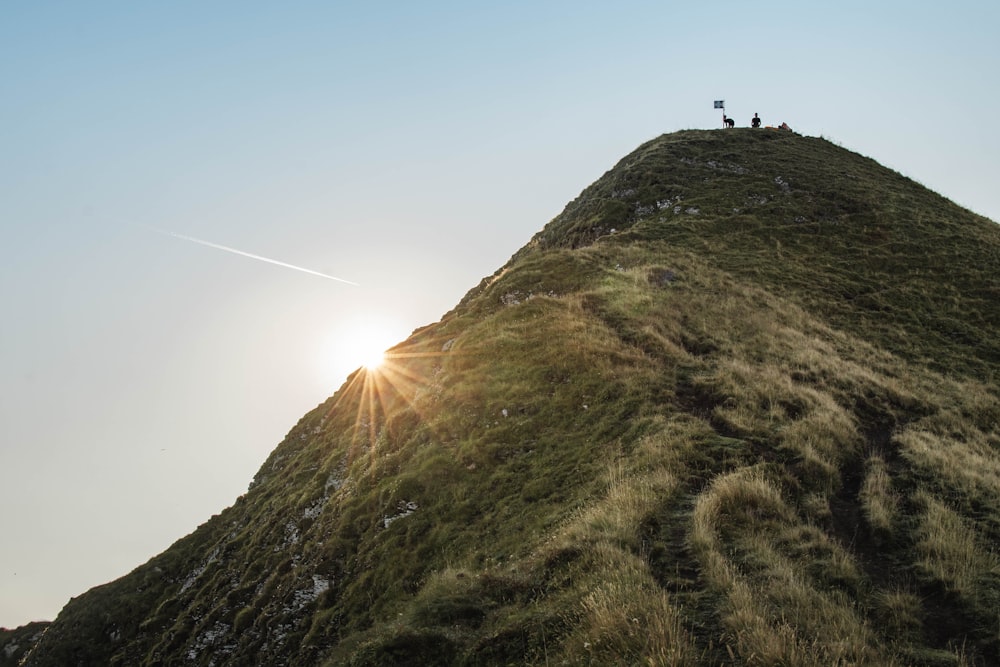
x=735 y=405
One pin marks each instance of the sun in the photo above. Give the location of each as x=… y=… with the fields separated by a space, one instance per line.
x=365 y=343
x=372 y=358
x=361 y=343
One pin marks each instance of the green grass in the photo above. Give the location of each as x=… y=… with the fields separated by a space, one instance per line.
x=762 y=433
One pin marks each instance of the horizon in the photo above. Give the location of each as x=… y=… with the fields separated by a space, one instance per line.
x=413 y=152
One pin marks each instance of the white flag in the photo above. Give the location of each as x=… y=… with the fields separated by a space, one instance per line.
x=720 y=104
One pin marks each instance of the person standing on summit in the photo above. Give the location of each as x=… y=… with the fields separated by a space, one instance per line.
x=755 y=121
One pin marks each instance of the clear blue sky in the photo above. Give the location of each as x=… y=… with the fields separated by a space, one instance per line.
x=408 y=147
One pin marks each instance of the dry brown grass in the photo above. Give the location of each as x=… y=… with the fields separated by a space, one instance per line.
x=614 y=518
x=623 y=616
x=779 y=608
x=628 y=619
x=900 y=614
x=880 y=502
x=966 y=465
x=950 y=551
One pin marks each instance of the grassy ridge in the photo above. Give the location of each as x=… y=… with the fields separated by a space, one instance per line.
x=855 y=243
x=733 y=406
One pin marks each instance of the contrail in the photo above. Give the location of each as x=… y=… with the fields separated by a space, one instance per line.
x=252 y=256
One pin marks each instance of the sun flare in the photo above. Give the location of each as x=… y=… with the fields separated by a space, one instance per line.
x=361 y=343
x=372 y=359
x=365 y=346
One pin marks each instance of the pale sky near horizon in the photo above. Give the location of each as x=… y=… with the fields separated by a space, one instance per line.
x=410 y=148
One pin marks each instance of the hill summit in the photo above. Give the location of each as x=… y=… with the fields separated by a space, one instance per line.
x=734 y=405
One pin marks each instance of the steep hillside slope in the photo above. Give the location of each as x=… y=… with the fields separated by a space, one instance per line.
x=734 y=405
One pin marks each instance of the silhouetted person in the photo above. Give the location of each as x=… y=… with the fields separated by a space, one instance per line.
x=728 y=122
x=755 y=121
